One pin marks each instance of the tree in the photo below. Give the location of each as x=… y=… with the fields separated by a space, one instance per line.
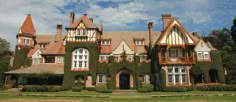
x=5 y=54
x=233 y=34
x=221 y=40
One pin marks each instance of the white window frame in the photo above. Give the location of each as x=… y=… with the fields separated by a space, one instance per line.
x=206 y=53
x=139 y=42
x=103 y=57
x=102 y=78
x=105 y=42
x=176 y=72
x=80 y=59
x=199 y=55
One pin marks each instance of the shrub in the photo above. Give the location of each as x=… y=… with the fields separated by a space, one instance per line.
x=77 y=89
x=102 y=87
x=90 y=88
x=202 y=88
x=40 y=88
x=142 y=90
x=175 y=89
x=148 y=87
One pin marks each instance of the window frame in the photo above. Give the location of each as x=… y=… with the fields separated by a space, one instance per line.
x=177 y=77
x=80 y=63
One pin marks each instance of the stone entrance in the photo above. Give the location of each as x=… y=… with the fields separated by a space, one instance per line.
x=124 y=79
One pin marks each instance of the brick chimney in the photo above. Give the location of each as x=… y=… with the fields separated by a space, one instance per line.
x=195 y=34
x=166 y=18
x=59 y=32
x=59 y=29
x=91 y=19
x=150 y=29
x=72 y=17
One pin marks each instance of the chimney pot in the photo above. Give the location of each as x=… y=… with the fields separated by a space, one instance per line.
x=72 y=17
x=195 y=34
x=85 y=14
x=91 y=19
x=59 y=29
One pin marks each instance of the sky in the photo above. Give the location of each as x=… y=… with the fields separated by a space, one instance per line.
x=200 y=16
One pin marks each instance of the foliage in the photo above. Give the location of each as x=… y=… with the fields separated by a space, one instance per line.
x=146 y=88
x=102 y=87
x=40 y=79
x=5 y=56
x=78 y=85
x=233 y=30
x=215 y=64
x=163 y=78
x=174 y=89
x=230 y=64
x=20 y=57
x=40 y=88
x=69 y=75
x=216 y=88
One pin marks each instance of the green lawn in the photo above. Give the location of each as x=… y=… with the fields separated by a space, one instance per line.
x=67 y=96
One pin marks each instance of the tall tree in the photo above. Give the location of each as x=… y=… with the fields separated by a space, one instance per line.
x=5 y=54
x=233 y=30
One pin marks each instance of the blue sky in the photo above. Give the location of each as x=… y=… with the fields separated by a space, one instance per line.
x=195 y=15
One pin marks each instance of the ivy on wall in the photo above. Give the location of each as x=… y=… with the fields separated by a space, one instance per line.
x=69 y=75
x=21 y=58
x=215 y=64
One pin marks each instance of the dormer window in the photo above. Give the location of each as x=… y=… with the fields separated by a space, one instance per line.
x=105 y=42
x=42 y=45
x=203 y=56
x=139 y=42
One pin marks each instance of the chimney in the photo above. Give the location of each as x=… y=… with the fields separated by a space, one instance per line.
x=195 y=34
x=85 y=14
x=72 y=17
x=91 y=19
x=59 y=29
x=166 y=19
x=150 y=29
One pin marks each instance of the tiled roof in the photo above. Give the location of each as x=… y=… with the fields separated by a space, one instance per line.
x=128 y=36
x=88 y=23
x=53 y=47
x=40 y=69
x=28 y=26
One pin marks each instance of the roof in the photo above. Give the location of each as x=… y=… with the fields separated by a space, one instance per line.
x=53 y=47
x=128 y=36
x=40 y=69
x=210 y=46
x=88 y=23
x=28 y=26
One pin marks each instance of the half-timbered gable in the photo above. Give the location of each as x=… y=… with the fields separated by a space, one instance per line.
x=83 y=30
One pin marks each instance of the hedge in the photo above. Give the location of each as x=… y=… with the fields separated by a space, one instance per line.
x=216 y=88
x=102 y=88
x=146 y=88
x=41 y=88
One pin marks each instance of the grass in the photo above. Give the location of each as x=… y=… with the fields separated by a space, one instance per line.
x=90 y=96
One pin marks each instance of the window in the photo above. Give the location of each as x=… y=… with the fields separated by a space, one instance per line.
x=42 y=45
x=81 y=32
x=103 y=58
x=105 y=42
x=177 y=74
x=50 y=59
x=176 y=52
x=102 y=78
x=60 y=59
x=139 y=42
x=80 y=58
x=26 y=41
x=203 y=56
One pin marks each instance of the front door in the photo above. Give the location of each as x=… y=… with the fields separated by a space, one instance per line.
x=124 y=81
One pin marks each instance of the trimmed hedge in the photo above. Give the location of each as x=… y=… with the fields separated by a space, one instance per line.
x=174 y=89
x=21 y=58
x=146 y=88
x=102 y=88
x=41 y=88
x=216 y=88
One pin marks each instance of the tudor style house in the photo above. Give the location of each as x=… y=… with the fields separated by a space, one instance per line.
x=120 y=59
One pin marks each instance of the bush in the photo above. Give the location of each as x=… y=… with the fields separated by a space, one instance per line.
x=216 y=88
x=77 y=89
x=102 y=87
x=146 y=88
x=40 y=88
x=90 y=88
x=175 y=89
x=142 y=90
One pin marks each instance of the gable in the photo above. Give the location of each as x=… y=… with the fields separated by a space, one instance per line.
x=81 y=25
x=175 y=34
x=37 y=54
x=202 y=46
x=121 y=48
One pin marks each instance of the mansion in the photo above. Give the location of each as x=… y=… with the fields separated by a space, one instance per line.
x=120 y=59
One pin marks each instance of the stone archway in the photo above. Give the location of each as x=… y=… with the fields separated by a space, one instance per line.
x=124 y=79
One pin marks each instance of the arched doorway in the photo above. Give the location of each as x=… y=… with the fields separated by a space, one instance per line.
x=124 y=79
x=213 y=75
